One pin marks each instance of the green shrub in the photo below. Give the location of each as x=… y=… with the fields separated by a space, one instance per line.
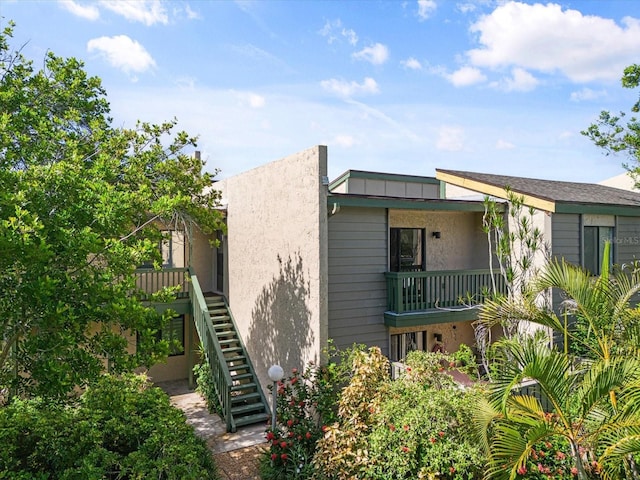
x=122 y=428
x=423 y=432
x=206 y=387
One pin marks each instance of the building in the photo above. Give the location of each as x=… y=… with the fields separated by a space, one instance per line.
x=382 y=259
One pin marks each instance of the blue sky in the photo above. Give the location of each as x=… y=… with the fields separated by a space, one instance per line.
x=390 y=86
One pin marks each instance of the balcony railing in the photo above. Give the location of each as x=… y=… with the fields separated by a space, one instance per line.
x=151 y=281
x=416 y=291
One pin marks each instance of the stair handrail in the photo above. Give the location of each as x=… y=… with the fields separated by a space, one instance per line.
x=213 y=351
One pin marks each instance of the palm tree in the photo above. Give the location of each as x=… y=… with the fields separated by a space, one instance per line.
x=594 y=402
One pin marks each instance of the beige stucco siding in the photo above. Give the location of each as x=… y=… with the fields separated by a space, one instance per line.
x=276 y=252
x=203 y=260
x=462 y=244
x=358 y=259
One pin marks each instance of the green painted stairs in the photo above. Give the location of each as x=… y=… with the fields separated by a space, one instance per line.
x=248 y=404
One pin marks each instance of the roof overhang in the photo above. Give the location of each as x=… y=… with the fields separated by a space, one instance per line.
x=500 y=192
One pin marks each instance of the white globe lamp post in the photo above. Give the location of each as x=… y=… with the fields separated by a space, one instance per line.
x=276 y=373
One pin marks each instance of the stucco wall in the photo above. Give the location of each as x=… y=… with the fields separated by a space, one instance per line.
x=277 y=257
x=202 y=260
x=462 y=244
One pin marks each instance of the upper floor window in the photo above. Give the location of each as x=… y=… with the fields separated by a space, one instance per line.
x=406 y=250
x=594 y=241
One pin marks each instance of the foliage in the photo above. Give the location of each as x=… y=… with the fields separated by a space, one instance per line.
x=81 y=206
x=592 y=406
x=427 y=368
x=423 y=432
x=307 y=402
x=465 y=360
x=342 y=452
x=122 y=428
x=205 y=386
x=610 y=134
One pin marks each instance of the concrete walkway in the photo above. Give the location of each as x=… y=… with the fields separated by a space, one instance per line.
x=210 y=426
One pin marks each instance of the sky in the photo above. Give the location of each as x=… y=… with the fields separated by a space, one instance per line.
x=405 y=87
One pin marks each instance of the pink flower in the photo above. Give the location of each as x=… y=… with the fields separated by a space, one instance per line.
x=522 y=470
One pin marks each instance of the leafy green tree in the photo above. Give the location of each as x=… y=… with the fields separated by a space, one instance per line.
x=613 y=135
x=81 y=206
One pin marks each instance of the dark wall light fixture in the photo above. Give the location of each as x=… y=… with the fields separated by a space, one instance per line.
x=435 y=234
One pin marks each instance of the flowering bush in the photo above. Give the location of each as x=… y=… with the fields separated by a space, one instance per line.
x=307 y=402
x=424 y=432
x=549 y=459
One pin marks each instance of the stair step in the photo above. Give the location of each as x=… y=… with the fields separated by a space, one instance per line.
x=243 y=386
x=215 y=298
x=249 y=407
x=227 y=326
x=229 y=341
x=214 y=311
x=245 y=397
x=231 y=350
x=237 y=358
x=251 y=419
x=220 y=318
x=214 y=303
x=241 y=376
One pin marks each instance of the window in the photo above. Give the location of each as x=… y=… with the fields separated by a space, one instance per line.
x=594 y=241
x=406 y=249
x=174 y=334
x=404 y=343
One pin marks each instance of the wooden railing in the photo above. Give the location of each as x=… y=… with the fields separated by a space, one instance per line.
x=213 y=352
x=415 y=291
x=152 y=281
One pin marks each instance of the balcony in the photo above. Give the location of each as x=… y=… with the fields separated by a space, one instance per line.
x=423 y=298
x=150 y=281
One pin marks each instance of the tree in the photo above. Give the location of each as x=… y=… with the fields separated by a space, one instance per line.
x=81 y=206
x=593 y=401
x=610 y=133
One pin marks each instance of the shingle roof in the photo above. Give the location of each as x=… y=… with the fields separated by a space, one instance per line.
x=552 y=190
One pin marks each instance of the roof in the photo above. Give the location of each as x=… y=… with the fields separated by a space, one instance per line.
x=550 y=195
x=381 y=176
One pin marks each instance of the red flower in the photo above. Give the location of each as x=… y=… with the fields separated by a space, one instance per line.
x=406 y=428
x=432 y=440
x=291 y=434
x=560 y=455
x=294 y=380
x=574 y=471
x=324 y=428
x=452 y=470
x=274 y=456
x=308 y=435
x=270 y=436
x=283 y=457
x=392 y=427
x=405 y=449
x=441 y=433
x=522 y=470
x=283 y=444
x=289 y=423
x=408 y=369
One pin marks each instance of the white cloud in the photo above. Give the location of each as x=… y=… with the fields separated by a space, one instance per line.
x=148 y=12
x=465 y=7
x=333 y=30
x=520 y=81
x=504 y=145
x=426 y=8
x=376 y=54
x=89 y=12
x=587 y=94
x=450 y=139
x=411 y=63
x=548 y=39
x=350 y=35
x=465 y=76
x=123 y=53
x=348 y=89
x=192 y=14
x=252 y=99
x=346 y=141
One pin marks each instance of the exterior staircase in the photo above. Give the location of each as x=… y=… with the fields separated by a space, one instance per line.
x=248 y=405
